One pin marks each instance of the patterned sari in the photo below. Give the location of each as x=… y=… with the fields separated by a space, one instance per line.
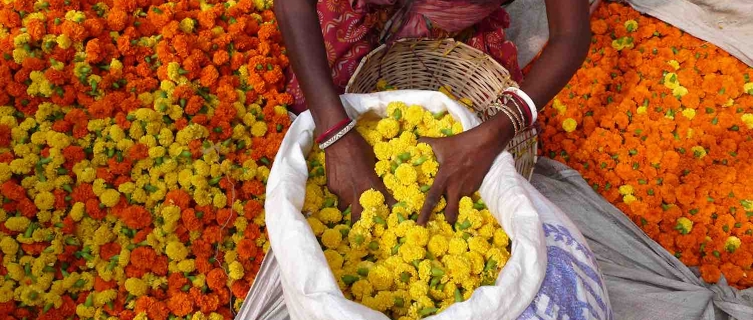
x=353 y=29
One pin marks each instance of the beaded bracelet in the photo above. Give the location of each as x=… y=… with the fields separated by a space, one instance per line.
x=334 y=128
x=338 y=135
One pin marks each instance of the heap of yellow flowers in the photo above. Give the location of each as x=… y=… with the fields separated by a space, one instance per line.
x=386 y=261
x=135 y=144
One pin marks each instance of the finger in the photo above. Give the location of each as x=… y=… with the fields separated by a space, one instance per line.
x=453 y=203
x=389 y=200
x=341 y=203
x=355 y=212
x=426 y=140
x=432 y=198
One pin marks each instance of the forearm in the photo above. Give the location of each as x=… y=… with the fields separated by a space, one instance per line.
x=557 y=64
x=299 y=25
x=569 y=40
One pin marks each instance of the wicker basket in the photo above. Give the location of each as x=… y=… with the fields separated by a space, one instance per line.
x=419 y=64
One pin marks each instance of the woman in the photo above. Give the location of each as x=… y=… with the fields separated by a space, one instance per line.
x=327 y=38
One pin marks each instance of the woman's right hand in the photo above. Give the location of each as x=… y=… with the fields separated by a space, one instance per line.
x=349 y=161
x=350 y=171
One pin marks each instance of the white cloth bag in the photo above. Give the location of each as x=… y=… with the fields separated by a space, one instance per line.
x=309 y=287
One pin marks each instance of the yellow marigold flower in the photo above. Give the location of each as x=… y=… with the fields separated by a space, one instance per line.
x=478 y=244
x=85 y=312
x=679 y=91
x=361 y=289
x=476 y=261
x=684 y=225
x=671 y=81
x=641 y=110
x=359 y=236
x=559 y=106
x=176 y=251
x=748 y=87
x=334 y=259
x=17 y=224
x=414 y=115
x=438 y=245
x=748 y=120
x=314 y=198
x=329 y=215
x=8 y=246
x=417 y=235
x=44 y=200
x=406 y=174
x=136 y=286
x=631 y=25
x=380 y=278
x=675 y=65
x=698 y=151
x=418 y=289
x=569 y=125
x=628 y=199
x=187 y=265
x=430 y=167
x=457 y=246
x=103 y=297
x=732 y=243
x=186 y=25
x=381 y=302
x=331 y=238
x=259 y=129
x=388 y=127
x=626 y=189
x=688 y=113
x=457 y=267
x=110 y=197
x=381 y=168
x=235 y=270
x=410 y=252
x=501 y=239
x=383 y=151
x=371 y=199
x=219 y=200
x=316 y=226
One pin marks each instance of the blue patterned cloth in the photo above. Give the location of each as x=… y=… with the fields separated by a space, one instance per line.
x=572 y=288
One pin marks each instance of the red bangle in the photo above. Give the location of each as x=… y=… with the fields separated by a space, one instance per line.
x=332 y=130
x=526 y=110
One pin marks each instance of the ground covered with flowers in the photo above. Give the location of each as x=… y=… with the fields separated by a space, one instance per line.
x=135 y=141
x=660 y=123
x=385 y=260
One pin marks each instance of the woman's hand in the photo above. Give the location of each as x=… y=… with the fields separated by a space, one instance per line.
x=350 y=171
x=464 y=160
x=349 y=161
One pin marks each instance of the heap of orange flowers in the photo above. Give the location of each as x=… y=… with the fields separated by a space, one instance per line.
x=660 y=123
x=135 y=141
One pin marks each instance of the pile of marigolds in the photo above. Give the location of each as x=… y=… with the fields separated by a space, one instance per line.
x=660 y=123
x=135 y=140
x=386 y=261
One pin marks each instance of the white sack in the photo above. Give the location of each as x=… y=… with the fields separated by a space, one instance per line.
x=310 y=289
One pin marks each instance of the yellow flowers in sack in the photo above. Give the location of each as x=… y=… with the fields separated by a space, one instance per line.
x=386 y=261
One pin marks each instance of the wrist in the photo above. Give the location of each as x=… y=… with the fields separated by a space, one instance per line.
x=495 y=133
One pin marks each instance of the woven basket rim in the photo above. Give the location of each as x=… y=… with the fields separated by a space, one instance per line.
x=452 y=41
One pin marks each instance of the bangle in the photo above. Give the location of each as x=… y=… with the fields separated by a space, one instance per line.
x=338 y=135
x=515 y=119
x=336 y=127
x=523 y=112
x=526 y=99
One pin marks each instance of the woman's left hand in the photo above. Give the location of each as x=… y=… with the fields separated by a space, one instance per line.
x=464 y=160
